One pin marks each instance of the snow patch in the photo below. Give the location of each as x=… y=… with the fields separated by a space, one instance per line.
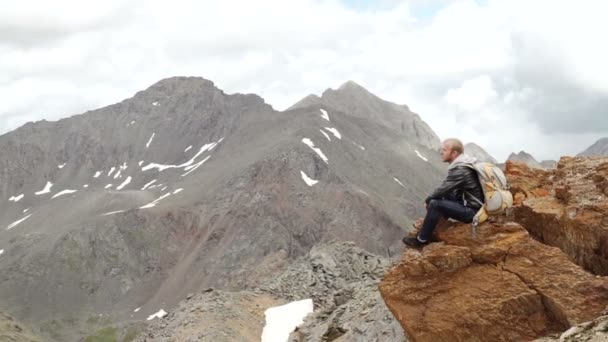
x=160 y=314
x=359 y=146
x=1 y=251
x=188 y=148
x=150 y=141
x=113 y=212
x=325 y=134
x=195 y=166
x=324 y=114
x=97 y=174
x=148 y=184
x=111 y=170
x=85 y=186
x=108 y=186
x=317 y=150
x=137 y=309
x=309 y=181
x=140 y=162
x=282 y=320
x=163 y=189
x=162 y=167
x=25 y=210
x=334 y=132
x=46 y=190
x=12 y=225
x=396 y=180
x=61 y=166
x=153 y=203
x=421 y=156
x=16 y=198
x=64 y=192
x=127 y=181
x=132 y=122
x=117 y=174
x=156 y=104
x=177 y=191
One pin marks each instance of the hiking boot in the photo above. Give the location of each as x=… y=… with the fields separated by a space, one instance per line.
x=414 y=242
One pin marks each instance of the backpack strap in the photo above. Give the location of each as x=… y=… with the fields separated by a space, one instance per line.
x=474 y=198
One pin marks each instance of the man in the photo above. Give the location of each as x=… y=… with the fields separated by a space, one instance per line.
x=457 y=197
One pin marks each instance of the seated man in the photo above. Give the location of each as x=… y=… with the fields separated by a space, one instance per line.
x=455 y=198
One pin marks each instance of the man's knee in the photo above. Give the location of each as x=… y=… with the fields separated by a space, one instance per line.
x=433 y=204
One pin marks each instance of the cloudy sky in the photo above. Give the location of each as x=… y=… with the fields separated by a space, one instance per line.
x=509 y=75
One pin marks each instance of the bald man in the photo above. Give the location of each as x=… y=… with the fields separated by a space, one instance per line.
x=458 y=197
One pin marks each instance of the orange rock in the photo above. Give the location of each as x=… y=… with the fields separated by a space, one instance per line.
x=513 y=283
x=575 y=218
x=501 y=286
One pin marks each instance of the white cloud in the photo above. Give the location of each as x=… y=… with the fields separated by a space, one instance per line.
x=522 y=67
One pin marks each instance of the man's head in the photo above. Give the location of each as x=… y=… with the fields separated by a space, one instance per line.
x=451 y=149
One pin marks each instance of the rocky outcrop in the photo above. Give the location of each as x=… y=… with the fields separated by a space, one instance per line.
x=212 y=315
x=341 y=279
x=343 y=282
x=502 y=286
x=566 y=208
x=594 y=331
x=538 y=272
x=549 y=164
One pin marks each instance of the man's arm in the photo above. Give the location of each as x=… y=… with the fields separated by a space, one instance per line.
x=455 y=178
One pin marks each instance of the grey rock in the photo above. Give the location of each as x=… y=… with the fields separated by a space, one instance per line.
x=479 y=153
x=526 y=158
x=598 y=149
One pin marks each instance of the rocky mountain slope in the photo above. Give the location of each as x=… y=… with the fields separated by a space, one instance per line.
x=358 y=102
x=13 y=331
x=479 y=153
x=124 y=210
x=340 y=278
x=598 y=149
x=525 y=158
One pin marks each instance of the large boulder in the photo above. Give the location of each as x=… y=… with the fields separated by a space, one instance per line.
x=502 y=285
x=566 y=208
x=538 y=272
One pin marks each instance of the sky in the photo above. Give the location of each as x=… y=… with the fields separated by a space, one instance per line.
x=508 y=75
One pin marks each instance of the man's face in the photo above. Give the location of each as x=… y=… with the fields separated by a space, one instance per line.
x=447 y=154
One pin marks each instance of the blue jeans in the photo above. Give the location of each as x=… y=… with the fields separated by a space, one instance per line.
x=447 y=209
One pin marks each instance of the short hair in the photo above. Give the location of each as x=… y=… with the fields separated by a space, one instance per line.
x=455 y=145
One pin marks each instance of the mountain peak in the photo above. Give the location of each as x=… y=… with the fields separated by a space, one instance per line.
x=599 y=148
x=526 y=158
x=351 y=85
x=351 y=88
x=478 y=152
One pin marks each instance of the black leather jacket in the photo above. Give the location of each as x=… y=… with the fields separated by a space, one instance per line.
x=461 y=182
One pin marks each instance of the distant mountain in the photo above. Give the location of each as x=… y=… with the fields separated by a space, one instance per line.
x=478 y=152
x=598 y=149
x=112 y=215
x=358 y=102
x=526 y=158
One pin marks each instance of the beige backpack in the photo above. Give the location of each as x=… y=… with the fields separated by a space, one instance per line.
x=496 y=192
